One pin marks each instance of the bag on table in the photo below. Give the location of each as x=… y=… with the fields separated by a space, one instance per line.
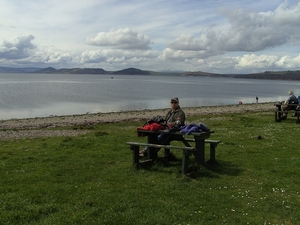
x=157 y=119
x=155 y=123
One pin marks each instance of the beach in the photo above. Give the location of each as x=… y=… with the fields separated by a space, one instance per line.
x=37 y=127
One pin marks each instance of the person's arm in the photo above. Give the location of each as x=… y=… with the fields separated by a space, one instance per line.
x=180 y=114
x=288 y=100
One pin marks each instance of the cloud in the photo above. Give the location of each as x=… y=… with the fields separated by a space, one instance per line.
x=17 y=47
x=159 y=35
x=287 y=16
x=248 y=32
x=183 y=55
x=288 y=62
x=118 y=56
x=120 y=39
x=266 y=62
x=21 y=51
x=59 y=58
x=252 y=60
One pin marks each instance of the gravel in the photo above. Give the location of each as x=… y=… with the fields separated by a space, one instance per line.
x=39 y=127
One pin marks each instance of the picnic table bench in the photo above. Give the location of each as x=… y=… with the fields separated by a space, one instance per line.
x=187 y=150
x=213 y=144
x=135 y=147
x=279 y=112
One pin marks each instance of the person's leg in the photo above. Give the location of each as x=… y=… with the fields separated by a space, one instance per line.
x=144 y=152
x=161 y=138
x=284 y=114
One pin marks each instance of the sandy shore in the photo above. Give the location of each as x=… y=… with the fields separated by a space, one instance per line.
x=18 y=128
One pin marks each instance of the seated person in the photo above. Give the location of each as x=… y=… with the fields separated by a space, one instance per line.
x=175 y=114
x=172 y=116
x=291 y=100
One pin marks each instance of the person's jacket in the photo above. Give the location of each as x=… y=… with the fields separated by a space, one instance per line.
x=292 y=100
x=171 y=117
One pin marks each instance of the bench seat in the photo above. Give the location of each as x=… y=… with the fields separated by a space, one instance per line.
x=135 y=147
x=213 y=144
x=278 y=115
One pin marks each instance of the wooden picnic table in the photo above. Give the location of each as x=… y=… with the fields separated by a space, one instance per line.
x=279 y=111
x=199 y=138
x=198 y=150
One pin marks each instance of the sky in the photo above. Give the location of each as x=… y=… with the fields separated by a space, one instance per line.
x=216 y=36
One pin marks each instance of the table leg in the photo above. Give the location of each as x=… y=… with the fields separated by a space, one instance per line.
x=167 y=141
x=212 y=153
x=167 y=152
x=152 y=152
x=277 y=119
x=135 y=156
x=278 y=113
x=185 y=162
x=200 y=150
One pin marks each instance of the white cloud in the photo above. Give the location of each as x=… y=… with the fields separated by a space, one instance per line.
x=266 y=62
x=120 y=39
x=249 y=32
x=110 y=56
x=17 y=47
x=181 y=55
x=156 y=35
x=288 y=62
x=252 y=60
x=285 y=15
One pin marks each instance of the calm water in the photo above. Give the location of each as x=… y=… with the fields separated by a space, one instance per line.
x=40 y=95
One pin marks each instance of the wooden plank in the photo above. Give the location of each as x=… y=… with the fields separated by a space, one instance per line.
x=160 y=146
x=213 y=144
x=209 y=141
x=135 y=146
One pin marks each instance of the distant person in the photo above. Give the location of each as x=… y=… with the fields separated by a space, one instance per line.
x=256 y=99
x=173 y=117
x=292 y=99
x=240 y=102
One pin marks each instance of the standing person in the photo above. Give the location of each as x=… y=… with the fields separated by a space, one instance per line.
x=256 y=99
x=172 y=117
x=292 y=99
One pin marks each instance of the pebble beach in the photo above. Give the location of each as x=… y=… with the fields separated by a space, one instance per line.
x=33 y=127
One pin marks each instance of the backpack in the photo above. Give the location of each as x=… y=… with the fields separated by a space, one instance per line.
x=157 y=119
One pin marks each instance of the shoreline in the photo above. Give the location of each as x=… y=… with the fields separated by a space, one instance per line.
x=13 y=129
x=126 y=116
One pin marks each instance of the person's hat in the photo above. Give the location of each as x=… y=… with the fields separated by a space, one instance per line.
x=291 y=92
x=174 y=100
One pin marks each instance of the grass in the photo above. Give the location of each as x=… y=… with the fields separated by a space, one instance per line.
x=89 y=179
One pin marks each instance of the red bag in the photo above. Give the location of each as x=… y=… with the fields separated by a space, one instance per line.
x=152 y=126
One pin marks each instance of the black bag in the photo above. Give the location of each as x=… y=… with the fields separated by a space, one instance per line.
x=157 y=119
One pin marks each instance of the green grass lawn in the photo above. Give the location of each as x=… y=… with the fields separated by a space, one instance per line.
x=89 y=179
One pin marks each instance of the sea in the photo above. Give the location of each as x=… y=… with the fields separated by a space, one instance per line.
x=43 y=95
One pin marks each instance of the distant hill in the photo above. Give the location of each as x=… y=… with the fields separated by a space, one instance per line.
x=132 y=71
x=73 y=71
x=272 y=75
x=46 y=70
x=17 y=70
x=268 y=75
x=199 y=73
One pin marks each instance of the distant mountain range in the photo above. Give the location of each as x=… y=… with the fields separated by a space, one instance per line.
x=18 y=70
x=273 y=75
x=132 y=71
x=269 y=75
